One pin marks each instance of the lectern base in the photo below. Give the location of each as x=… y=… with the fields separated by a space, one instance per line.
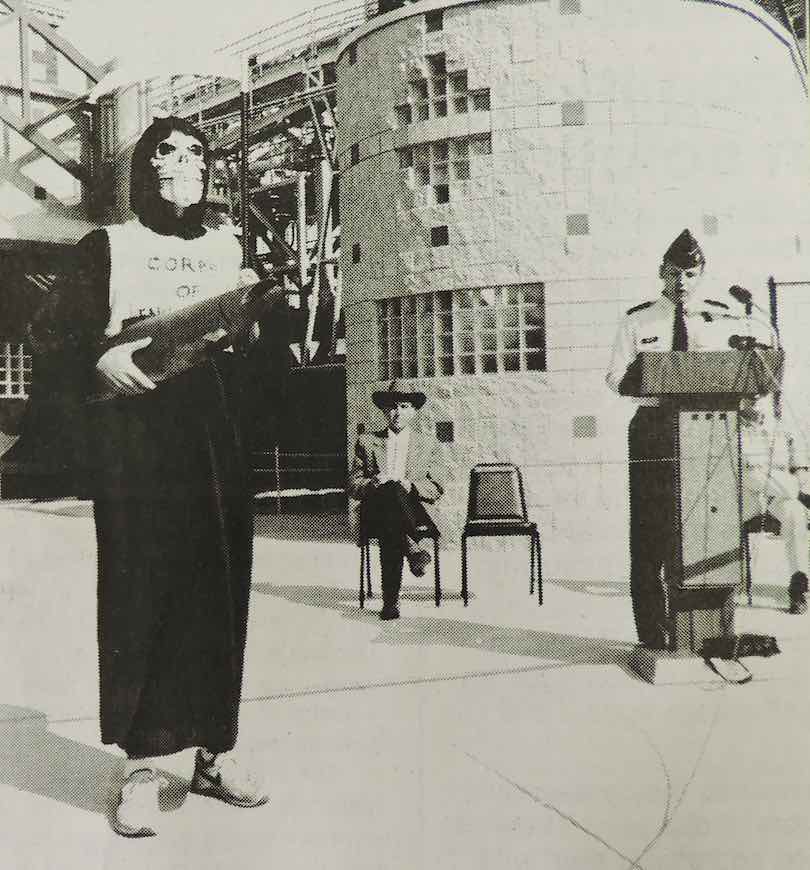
x=698 y=614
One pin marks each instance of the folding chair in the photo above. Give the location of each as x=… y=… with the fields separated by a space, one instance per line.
x=364 y=542
x=497 y=506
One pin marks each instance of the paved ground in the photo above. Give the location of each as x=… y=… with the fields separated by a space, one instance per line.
x=502 y=735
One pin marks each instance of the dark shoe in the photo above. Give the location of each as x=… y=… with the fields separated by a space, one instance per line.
x=389 y=611
x=227 y=780
x=797 y=591
x=418 y=560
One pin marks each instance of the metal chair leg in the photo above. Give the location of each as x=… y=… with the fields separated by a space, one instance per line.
x=539 y=570
x=749 y=585
x=369 y=593
x=464 y=569
x=362 y=573
x=437 y=571
x=531 y=564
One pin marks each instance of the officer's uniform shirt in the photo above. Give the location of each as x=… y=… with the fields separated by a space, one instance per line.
x=648 y=327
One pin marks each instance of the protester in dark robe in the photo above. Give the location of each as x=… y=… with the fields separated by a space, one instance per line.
x=168 y=476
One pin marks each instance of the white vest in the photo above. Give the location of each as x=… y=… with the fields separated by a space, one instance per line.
x=153 y=274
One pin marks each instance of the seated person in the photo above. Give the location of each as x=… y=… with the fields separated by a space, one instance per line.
x=391 y=478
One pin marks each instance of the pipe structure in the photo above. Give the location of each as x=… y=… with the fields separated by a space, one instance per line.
x=244 y=133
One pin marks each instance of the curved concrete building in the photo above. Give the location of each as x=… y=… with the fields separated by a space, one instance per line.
x=511 y=173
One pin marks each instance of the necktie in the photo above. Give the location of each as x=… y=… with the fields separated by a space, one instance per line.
x=680 y=340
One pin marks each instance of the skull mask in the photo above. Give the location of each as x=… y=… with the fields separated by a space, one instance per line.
x=179 y=164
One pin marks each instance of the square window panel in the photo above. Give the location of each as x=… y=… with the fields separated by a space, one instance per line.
x=481 y=145
x=489 y=364
x=510 y=318
x=535 y=362
x=439 y=236
x=511 y=339
x=446 y=366
x=440 y=173
x=466 y=342
x=577 y=225
x=480 y=100
x=465 y=320
x=458 y=82
x=487 y=318
x=534 y=338
x=434 y=21
x=511 y=362
x=489 y=342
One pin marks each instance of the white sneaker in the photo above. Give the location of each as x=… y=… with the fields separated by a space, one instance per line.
x=138 y=810
x=225 y=778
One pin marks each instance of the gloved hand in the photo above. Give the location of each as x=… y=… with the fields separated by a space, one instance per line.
x=117 y=370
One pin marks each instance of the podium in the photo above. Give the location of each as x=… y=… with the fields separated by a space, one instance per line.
x=703 y=390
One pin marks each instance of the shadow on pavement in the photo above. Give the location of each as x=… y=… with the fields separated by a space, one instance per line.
x=565 y=649
x=34 y=759
x=302 y=527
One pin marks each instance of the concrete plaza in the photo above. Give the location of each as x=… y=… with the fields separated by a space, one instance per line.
x=501 y=735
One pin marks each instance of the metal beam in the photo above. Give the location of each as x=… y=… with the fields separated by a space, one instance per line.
x=67 y=49
x=45 y=145
x=325 y=149
x=9 y=172
x=25 y=70
x=64 y=109
x=291 y=253
x=31 y=156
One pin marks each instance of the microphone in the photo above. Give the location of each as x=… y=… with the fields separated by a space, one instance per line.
x=741 y=295
x=746 y=298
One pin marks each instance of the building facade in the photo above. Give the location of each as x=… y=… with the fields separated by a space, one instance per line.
x=511 y=174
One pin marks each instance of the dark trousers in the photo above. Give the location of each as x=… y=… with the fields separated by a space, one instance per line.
x=653 y=532
x=391 y=513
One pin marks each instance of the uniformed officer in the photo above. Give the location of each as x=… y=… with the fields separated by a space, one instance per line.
x=674 y=321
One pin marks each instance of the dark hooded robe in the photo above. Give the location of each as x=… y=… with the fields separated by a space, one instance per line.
x=168 y=476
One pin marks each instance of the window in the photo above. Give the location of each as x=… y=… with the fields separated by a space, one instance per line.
x=439 y=236
x=488 y=330
x=404 y=114
x=577 y=225
x=711 y=225
x=572 y=113
x=437 y=164
x=441 y=93
x=434 y=21
x=356 y=252
x=15 y=371
x=444 y=431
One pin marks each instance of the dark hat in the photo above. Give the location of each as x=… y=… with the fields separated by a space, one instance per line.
x=384 y=399
x=685 y=252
